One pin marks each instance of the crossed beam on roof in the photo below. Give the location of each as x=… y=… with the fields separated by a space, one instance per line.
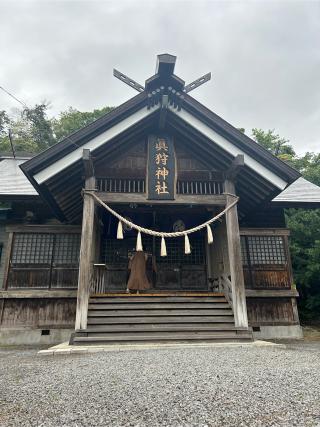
x=138 y=87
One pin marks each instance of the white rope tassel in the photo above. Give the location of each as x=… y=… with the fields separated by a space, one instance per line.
x=158 y=233
x=120 y=231
x=139 y=243
x=209 y=235
x=187 y=249
x=163 y=247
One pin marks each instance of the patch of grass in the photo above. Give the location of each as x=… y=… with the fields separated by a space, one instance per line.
x=311 y=332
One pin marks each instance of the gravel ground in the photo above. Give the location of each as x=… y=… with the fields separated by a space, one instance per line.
x=166 y=387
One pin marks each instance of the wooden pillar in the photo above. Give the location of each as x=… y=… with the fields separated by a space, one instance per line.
x=6 y=268
x=295 y=311
x=87 y=247
x=235 y=260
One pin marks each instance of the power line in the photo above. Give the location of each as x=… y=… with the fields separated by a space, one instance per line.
x=25 y=106
x=14 y=97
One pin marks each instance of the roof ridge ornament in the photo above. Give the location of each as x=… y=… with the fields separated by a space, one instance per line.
x=127 y=80
x=164 y=78
x=198 y=82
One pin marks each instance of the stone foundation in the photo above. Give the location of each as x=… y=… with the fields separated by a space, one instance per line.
x=10 y=336
x=279 y=332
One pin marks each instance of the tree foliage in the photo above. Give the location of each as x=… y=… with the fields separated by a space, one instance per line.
x=32 y=131
x=309 y=166
x=71 y=120
x=305 y=253
x=304 y=225
x=4 y=123
x=274 y=143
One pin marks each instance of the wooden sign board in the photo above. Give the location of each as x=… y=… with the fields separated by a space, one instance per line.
x=161 y=175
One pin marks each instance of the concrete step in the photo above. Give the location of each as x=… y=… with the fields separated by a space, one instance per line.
x=163 y=336
x=127 y=327
x=155 y=299
x=160 y=319
x=164 y=312
x=159 y=293
x=158 y=306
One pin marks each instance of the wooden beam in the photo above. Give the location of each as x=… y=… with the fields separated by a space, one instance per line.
x=127 y=80
x=180 y=199
x=87 y=246
x=37 y=293
x=165 y=64
x=163 y=111
x=271 y=293
x=264 y=232
x=87 y=163
x=216 y=156
x=197 y=83
x=236 y=166
x=39 y=228
x=235 y=260
x=6 y=267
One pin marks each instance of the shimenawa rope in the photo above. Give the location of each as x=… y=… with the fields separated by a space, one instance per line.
x=162 y=234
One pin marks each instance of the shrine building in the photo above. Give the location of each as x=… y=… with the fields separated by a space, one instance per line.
x=164 y=175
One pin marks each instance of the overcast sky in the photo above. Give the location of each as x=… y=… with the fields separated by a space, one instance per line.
x=264 y=56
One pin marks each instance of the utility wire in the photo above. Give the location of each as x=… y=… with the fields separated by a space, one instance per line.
x=14 y=97
x=25 y=106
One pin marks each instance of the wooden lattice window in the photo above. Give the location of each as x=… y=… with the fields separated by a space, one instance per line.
x=118 y=251
x=31 y=248
x=176 y=255
x=66 y=248
x=244 y=254
x=266 y=250
x=44 y=260
x=266 y=263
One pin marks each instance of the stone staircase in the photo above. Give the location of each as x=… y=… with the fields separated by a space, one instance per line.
x=159 y=318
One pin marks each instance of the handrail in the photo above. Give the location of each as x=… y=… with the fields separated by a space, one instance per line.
x=225 y=286
x=138 y=185
x=98 y=280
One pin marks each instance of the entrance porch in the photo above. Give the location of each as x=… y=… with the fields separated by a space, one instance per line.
x=104 y=262
x=175 y=272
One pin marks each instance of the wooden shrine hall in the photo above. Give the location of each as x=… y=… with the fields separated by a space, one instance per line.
x=161 y=173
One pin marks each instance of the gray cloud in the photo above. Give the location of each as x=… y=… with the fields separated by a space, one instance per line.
x=264 y=56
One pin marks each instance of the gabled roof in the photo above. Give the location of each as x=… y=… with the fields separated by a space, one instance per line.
x=81 y=136
x=238 y=138
x=211 y=137
x=300 y=193
x=12 y=181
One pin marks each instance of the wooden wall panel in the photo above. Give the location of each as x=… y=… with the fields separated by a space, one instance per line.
x=39 y=313
x=264 y=279
x=29 y=277
x=130 y=165
x=133 y=164
x=269 y=216
x=271 y=279
x=270 y=311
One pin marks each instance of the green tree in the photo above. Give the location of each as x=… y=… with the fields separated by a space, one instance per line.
x=304 y=225
x=4 y=123
x=309 y=166
x=305 y=254
x=274 y=143
x=72 y=120
x=33 y=131
x=40 y=128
